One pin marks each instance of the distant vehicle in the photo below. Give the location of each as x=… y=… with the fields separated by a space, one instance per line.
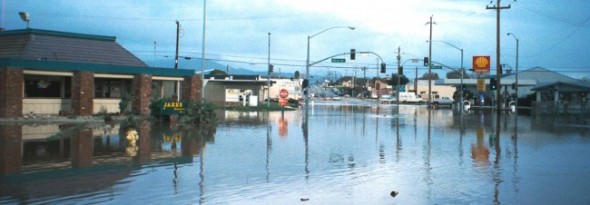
x=443 y=101
x=374 y=95
x=406 y=97
x=387 y=99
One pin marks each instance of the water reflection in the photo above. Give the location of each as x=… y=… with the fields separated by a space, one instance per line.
x=338 y=154
x=91 y=158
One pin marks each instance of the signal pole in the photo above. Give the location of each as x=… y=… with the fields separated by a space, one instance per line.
x=176 y=84
x=430 y=63
x=397 y=90
x=498 y=8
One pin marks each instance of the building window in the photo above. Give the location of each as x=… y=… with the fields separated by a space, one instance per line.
x=47 y=86
x=111 y=88
x=163 y=89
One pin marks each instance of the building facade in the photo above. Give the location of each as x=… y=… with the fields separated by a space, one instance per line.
x=51 y=72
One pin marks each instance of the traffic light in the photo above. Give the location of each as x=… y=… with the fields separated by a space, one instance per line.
x=352 y=54
x=426 y=61
x=270 y=68
x=305 y=83
x=383 y=67
x=493 y=84
x=400 y=70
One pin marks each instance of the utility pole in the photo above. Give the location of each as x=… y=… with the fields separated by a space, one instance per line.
x=430 y=63
x=397 y=90
x=268 y=76
x=416 y=82
x=203 y=52
x=498 y=8
x=176 y=57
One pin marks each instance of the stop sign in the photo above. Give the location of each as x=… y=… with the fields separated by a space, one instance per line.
x=284 y=93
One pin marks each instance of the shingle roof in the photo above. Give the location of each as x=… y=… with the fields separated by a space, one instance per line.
x=35 y=44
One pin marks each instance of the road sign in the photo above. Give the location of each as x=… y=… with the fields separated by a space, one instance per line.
x=437 y=67
x=481 y=85
x=284 y=93
x=338 y=60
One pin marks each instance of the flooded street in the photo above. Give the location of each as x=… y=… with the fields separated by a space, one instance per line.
x=349 y=152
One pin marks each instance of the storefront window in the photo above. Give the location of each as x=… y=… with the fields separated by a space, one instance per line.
x=47 y=86
x=111 y=88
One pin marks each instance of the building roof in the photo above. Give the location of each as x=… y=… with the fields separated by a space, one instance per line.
x=542 y=75
x=36 y=49
x=564 y=87
x=36 y=44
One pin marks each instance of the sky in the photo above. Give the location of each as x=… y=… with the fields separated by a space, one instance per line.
x=552 y=34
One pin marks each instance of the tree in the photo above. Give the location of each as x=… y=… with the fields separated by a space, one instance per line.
x=218 y=74
x=403 y=80
x=432 y=76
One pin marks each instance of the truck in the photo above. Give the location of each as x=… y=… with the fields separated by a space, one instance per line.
x=408 y=97
x=444 y=101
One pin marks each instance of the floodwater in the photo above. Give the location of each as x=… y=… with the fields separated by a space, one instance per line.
x=348 y=152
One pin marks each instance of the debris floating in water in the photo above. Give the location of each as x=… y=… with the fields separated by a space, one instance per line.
x=393 y=193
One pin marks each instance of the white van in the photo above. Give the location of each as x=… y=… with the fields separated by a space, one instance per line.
x=407 y=97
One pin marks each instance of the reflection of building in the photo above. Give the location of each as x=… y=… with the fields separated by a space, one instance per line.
x=52 y=72
x=78 y=159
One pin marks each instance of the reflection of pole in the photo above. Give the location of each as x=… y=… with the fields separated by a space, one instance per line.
x=306 y=142
x=268 y=146
x=202 y=177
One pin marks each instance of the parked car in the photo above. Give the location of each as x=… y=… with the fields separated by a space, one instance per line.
x=408 y=97
x=444 y=101
x=387 y=99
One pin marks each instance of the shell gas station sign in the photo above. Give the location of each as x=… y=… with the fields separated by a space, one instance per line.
x=481 y=64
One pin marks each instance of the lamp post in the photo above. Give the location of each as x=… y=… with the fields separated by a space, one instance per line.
x=307 y=65
x=25 y=17
x=462 y=71
x=203 y=53
x=516 y=72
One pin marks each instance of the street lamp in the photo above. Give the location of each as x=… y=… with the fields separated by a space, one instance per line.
x=203 y=53
x=307 y=65
x=516 y=74
x=462 y=71
x=25 y=17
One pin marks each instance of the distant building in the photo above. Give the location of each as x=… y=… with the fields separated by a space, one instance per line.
x=437 y=88
x=236 y=90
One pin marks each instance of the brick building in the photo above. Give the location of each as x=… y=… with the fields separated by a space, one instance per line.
x=51 y=72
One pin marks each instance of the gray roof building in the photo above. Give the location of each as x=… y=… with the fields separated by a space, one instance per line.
x=35 y=44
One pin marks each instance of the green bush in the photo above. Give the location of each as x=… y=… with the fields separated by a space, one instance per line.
x=125 y=100
x=200 y=114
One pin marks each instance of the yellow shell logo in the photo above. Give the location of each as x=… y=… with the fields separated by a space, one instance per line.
x=482 y=62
